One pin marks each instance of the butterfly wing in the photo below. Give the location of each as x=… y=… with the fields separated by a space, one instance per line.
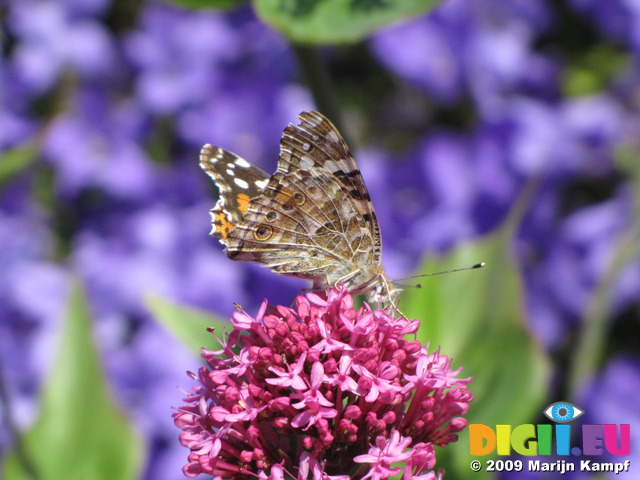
x=314 y=218
x=238 y=182
x=316 y=145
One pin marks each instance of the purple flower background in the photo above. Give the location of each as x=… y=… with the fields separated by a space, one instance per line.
x=455 y=114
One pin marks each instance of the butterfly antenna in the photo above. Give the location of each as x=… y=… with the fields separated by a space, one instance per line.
x=404 y=286
x=472 y=267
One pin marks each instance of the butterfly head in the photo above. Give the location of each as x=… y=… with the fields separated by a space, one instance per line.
x=380 y=290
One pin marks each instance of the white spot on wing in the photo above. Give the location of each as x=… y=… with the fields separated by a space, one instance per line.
x=241 y=183
x=331 y=165
x=262 y=184
x=241 y=162
x=306 y=147
x=305 y=162
x=230 y=172
x=333 y=136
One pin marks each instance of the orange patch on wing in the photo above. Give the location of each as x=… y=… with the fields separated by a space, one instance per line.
x=285 y=197
x=243 y=202
x=223 y=225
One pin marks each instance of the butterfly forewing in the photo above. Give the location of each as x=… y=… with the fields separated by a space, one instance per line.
x=316 y=144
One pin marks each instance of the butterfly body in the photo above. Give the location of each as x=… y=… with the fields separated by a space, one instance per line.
x=312 y=219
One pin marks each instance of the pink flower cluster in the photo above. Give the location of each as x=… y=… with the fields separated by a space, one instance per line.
x=321 y=391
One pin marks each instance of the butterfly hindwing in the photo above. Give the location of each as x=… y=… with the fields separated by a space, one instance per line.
x=286 y=232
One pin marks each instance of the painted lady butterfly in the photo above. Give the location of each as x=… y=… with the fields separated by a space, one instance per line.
x=311 y=219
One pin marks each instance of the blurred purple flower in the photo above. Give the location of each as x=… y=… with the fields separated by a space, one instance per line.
x=158 y=249
x=53 y=36
x=448 y=189
x=576 y=137
x=85 y=8
x=481 y=46
x=215 y=73
x=501 y=64
x=597 y=125
x=537 y=141
x=496 y=181
x=179 y=56
x=576 y=259
x=449 y=179
x=246 y=121
x=99 y=145
x=16 y=124
x=421 y=52
x=14 y=130
x=617 y=19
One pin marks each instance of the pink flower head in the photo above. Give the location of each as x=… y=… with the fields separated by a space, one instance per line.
x=321 y=391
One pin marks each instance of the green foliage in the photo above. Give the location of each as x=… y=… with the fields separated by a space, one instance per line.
x=187 y=324
x=14 y=161
x=335 y=21
x=208 y=3
x=477 y=317
x=81 y=433
x=593 y=72
x=325 y=21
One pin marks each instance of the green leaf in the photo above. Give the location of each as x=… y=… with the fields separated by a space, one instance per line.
x=13 y=161
x=477 y=319
x=81 y=433
x=594 y=70
x=335 y=21
x=187 y=324
x=220 y=4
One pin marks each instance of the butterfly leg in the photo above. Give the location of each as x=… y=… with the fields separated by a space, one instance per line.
x=345 y=280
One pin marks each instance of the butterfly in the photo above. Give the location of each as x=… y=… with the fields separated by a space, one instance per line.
x=312 y=219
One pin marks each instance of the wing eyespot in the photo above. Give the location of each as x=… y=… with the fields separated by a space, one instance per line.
x=271 y=216
x=263 y=233
x=299 y=198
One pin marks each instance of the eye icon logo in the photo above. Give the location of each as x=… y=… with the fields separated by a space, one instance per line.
x=563 y=412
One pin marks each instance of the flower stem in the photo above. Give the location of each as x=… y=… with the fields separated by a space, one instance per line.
x=316 y=74
x=591 y=342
